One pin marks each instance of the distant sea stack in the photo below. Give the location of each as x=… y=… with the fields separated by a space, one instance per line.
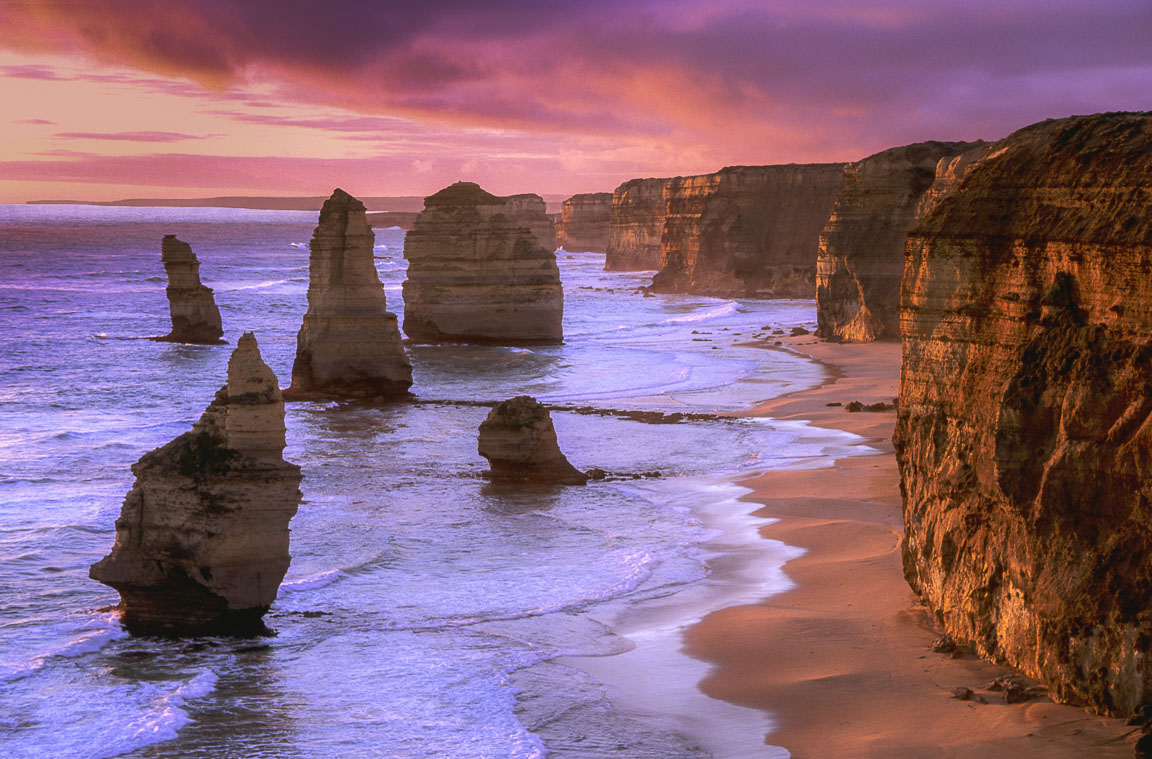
x=202 y=538
x=529 y=210
x=195 y=317
x=476 y=275
x=1024 y=435
x=584 y=223
x=636 y=225
x=750 y=231
x=349 y=345
x=861 y=250
x=519 y=441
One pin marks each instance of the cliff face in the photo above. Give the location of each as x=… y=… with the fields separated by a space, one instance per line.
x=195 y=317
x=861 y=251
x=1024 y=438
x=349 y=345
x=746 y=230
x=635 y=225
x=519 y=441
x=584 y=223
x=477 y=275
x=529 y=210
x=202 y=539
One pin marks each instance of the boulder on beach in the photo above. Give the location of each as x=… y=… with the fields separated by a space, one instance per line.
x=519 y=441
x=195 y=317
x=349 y=345
x=202 y=538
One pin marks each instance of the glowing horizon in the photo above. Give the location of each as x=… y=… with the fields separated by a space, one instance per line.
x=121 y=98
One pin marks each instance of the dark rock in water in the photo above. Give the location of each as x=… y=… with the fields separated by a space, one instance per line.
x=202 y=538
x=1024 y=429
x=519 y=441
x=478 y=275
x=195 y=317
x=349 y=345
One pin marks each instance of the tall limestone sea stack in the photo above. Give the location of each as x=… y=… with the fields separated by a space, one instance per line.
x=746 y=230
x=202 y=538
x=636 y=225
x=349 y=345
x=861 y=250
x=1024 y=433
x=195 y=317
x=476 y=275
x=584 y=223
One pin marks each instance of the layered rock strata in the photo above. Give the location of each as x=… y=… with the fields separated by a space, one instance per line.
x=750 y=231
x=349 y=345
x=476 y=275
x=1024 y=435
x=861 y=250
x=519 y=441
x=529 y=210
x=202 y=539
x=636 y=225
x=584 y=223
x=195 y=317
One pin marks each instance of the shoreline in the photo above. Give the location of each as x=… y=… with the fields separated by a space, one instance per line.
x=842 y=662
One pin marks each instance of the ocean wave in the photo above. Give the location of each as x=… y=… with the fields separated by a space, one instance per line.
x=320 y=580
x=258 y=286
x=92 y=636
x=727 y=309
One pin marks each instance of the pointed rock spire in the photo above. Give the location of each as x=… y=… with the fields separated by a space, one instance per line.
x=195 y=317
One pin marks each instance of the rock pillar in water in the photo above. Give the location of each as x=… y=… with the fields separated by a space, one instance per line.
x=585 y=223
x=349 y=345
x=1024 y=432
x=475 y=275
x=195 y=317
x=202 y=538
x=519 y=441
x=861 y=251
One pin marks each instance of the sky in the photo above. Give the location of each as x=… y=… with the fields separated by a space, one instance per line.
x=108 y=99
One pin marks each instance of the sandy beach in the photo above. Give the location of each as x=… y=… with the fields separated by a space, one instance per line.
x=843 y=661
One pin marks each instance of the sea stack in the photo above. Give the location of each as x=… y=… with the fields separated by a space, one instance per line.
x=519 y=441
x=861 y=250
x=349 y=345
x=585 y=223
x=746 y=231
x=1024 y=432
x=202 y=538
x=475 y=275
x=529 y=210
x=636 y=225
x=195 y=317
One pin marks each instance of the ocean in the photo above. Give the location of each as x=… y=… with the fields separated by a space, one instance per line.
x=427 y=612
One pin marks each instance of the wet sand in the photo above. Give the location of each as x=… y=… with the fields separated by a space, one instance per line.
x=843 y=663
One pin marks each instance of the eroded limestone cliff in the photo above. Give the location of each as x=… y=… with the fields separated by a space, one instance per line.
x=584 y=223
x=529 y=210
x=636 y=225
x=477 y=275
x=195 y=317
x=861 y=252
x=748 y=231
x=519 y=441
x=202 y=538
x=1024 y=436
x=349 y=345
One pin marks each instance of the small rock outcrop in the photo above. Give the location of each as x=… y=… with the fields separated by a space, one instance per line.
x=476 y=275
x=747 y=231
x=1024 y=431
x=529 y=210
x=861 y=251
x=636 y=225
x=349 y=345
x=195 y=317
x=584 y=223
x=519 y=441
x=202 y=538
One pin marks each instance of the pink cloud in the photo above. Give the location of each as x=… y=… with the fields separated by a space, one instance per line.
x=130 y=136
